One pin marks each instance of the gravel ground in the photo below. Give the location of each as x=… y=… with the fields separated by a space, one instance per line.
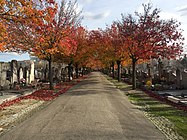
x=18 y=112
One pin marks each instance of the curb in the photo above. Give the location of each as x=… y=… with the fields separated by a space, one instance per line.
x=12 y=97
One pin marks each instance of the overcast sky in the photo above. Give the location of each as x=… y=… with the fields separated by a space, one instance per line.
x=99 y=13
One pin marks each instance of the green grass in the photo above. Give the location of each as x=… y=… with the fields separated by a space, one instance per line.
x=157 y=108
x=177 y=117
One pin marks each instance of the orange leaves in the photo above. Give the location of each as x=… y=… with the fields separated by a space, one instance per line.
x=14 y=15
x=67 y=46
x=77 y=48
x=51 y=12
x=2 y=46
x=54 y=39
x=39 y=26
x=41 y=40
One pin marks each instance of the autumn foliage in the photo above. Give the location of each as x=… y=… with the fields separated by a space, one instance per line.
x=147 y=36
x=17 y=11
x=49 y=31
x=52 y=32
x=137 y=39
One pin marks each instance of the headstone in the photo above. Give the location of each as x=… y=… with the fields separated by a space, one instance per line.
x=25 y=74
x=184 y=79
x=5 y=75
x=20 y=72
x=179 y=78
x=14 y=71
x=2 y=75
x=160 y=68
x=63 y=74
x=46 y=73
x=42 y=74
x=31 y=74
x=150 y=71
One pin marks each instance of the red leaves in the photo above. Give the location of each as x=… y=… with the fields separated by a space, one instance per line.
x=44 y=95
x=143 y=36
x=37 y=95
x=47 y=95
x=9 y=103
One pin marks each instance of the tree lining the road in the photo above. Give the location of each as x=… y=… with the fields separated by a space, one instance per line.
x=143 y=37
x=54 y=32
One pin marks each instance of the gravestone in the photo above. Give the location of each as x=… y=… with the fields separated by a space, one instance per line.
x=26 y=74
x=160 y=68
x=57 y=74
x=46 y=73
x=149 y=72
x=20 y=72
x=63 y=74
x=5 y=75
x=184 y=80
x=179 y=78
x=31 y=74
x=14 y=71
x=171 y=77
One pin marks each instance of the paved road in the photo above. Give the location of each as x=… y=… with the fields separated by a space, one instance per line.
x=92 y=110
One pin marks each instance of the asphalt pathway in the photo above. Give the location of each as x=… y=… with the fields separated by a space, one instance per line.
x=92 y=110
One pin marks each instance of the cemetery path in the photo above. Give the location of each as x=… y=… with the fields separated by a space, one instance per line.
x=93 y=109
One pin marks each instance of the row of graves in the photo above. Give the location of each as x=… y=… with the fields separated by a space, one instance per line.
x=61 y=72
x=17 y=75
x=16 y=72
x=166 y=78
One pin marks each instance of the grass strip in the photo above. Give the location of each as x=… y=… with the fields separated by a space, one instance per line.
x=173 y=118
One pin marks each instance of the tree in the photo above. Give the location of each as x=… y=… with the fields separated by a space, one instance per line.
x=50 y=34
x=16 y=11
x=147 y=36
x=97 y=46
x=117 y=47
x=80 y=56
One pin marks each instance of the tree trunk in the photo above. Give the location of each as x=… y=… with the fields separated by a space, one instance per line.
x=119 y=70
x=50 y=75
x=77 y=70
x=133 y=73
x=113 y=75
